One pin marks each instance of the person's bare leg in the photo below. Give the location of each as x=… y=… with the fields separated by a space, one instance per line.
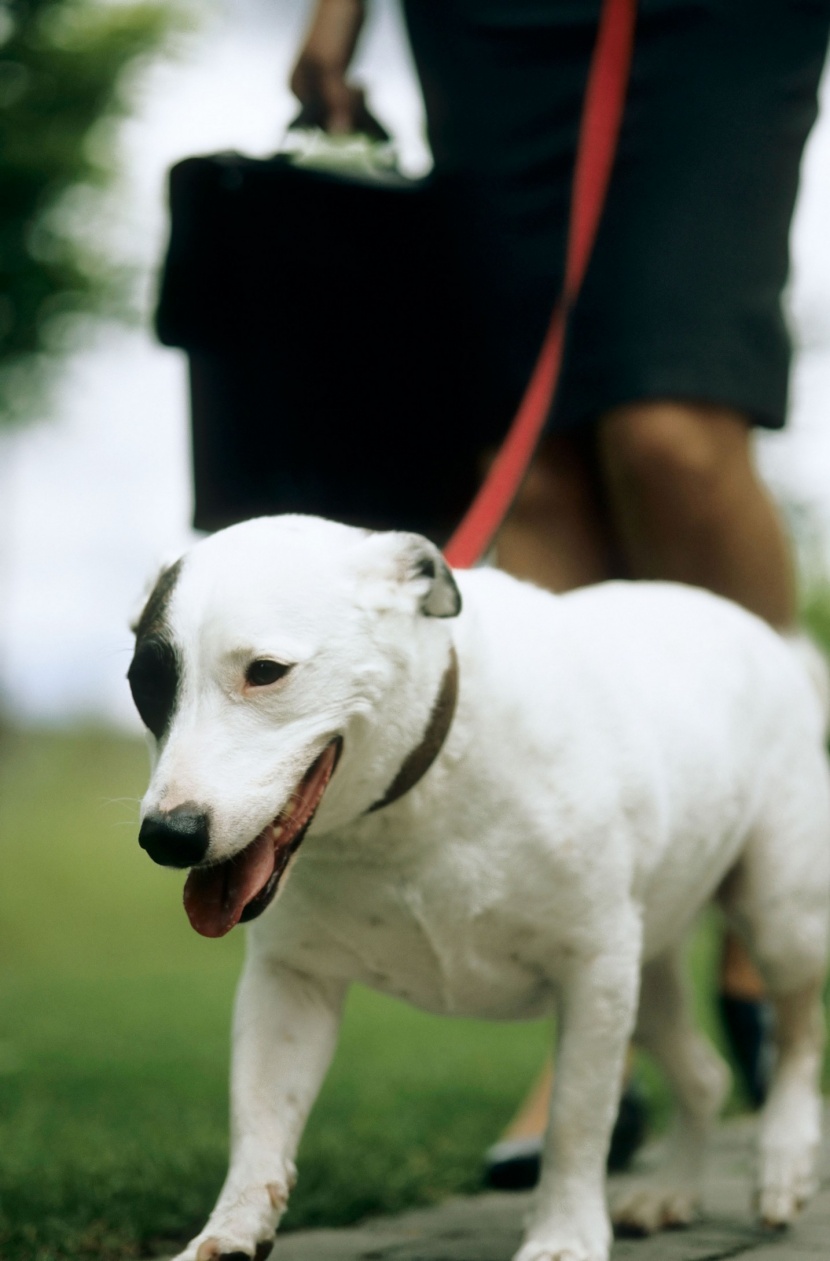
x=555 y=534
x=739 y=978
x=532 y=1117
x=687 y=504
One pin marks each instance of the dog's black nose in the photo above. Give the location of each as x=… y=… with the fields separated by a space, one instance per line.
x=178 y=838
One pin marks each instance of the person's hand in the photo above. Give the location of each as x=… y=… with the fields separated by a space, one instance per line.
x=319 y=76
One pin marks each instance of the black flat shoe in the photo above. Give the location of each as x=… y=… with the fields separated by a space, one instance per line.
x=513 y=1164
x=747 y=1023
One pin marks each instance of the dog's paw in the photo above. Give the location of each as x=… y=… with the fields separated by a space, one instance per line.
x=786 y=1182
x=645 y=1208
x=567 y=1242
x=241 y=1228
x=214 y=1250
x=564 y=1249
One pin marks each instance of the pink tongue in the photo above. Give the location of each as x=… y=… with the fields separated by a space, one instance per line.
x=215 y=897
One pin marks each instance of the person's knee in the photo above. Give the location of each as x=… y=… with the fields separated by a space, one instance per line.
x=556 y=532
x=687 y=456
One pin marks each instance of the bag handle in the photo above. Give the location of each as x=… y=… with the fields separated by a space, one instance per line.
x=367 y=154
x=599 y=129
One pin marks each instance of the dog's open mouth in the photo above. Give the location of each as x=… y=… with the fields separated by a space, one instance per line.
x=220 y=896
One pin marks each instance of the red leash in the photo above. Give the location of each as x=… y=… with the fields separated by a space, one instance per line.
x=599 y=130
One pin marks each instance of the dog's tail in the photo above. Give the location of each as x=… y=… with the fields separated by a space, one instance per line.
x=814 y=660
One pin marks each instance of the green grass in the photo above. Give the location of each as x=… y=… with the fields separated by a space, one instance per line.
x=815 y=614
x=114 y=1021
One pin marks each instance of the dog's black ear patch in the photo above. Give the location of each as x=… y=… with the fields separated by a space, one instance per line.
x=152 y=617
x=154 y=676
x=155 y=671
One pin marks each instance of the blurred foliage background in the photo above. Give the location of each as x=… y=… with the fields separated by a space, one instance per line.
x=62 y=85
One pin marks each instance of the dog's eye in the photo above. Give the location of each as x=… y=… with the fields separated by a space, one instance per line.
x=264 y=671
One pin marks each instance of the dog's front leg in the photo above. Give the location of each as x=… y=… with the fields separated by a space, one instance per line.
x=284 y=1033
x=596 y=1014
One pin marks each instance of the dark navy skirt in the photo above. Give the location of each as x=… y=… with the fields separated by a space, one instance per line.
x=683 y=296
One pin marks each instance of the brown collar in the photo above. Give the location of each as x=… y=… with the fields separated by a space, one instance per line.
x=418 y=762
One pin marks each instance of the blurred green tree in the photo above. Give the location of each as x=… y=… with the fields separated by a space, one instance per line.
x=61 y=76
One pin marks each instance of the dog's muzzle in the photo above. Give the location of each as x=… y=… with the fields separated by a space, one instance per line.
x=178 y=838
x=219 y=895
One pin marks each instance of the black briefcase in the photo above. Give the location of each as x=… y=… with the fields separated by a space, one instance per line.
x=335 y=358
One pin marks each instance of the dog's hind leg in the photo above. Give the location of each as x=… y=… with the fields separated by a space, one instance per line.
x=779 y=896
x=699 y=1079
x=791 y=1121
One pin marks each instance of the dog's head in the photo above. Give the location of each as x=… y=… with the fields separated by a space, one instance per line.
x=268 y=655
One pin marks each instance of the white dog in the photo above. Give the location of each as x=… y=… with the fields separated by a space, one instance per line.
x=505 y=811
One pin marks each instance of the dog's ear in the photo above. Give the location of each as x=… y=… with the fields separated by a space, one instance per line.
x=424 y=567
x=418 y=569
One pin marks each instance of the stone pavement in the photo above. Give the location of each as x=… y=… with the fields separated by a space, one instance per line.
x=488 y=1227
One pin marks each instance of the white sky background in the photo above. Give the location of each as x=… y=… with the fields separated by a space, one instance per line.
x=93 y=499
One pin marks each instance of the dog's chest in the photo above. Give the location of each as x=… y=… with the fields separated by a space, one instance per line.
x=447 y=941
